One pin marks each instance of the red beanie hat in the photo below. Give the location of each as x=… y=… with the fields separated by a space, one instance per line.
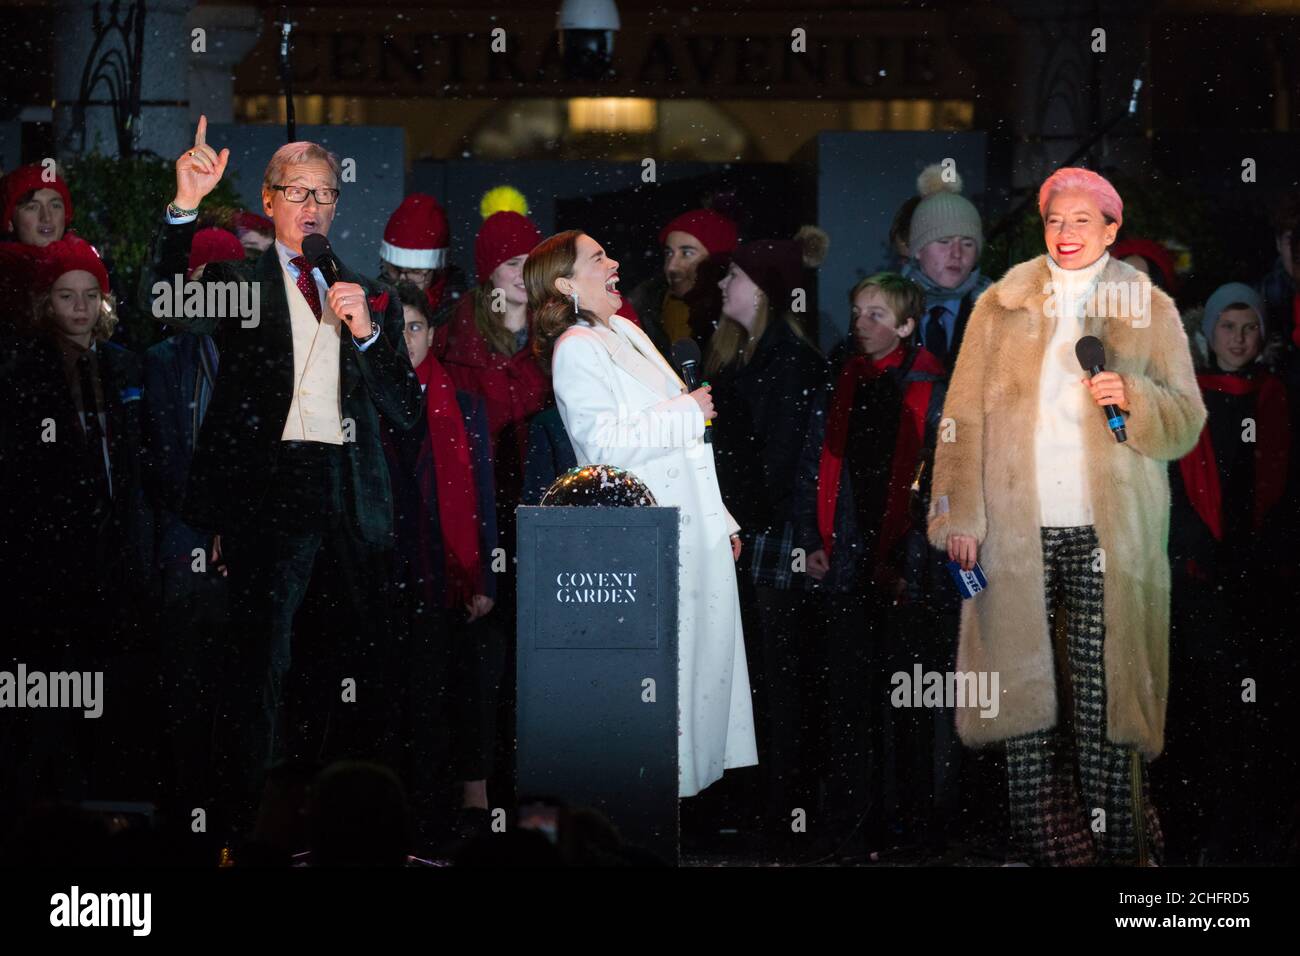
x=416 y=236
x=214 y=245
x=27 y=179
x=70 y=254
x=503 y=236
x=1154 y=253
x=248 y=221
x=714 y=230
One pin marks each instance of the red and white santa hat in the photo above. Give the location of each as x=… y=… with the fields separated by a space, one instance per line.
x=416 y=236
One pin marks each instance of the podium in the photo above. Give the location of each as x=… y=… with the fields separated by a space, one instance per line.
x=597 y=665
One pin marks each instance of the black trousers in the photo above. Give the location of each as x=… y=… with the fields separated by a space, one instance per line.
x=891 y=772
x=304 y=686
x=74 y=623
x=780 y=631
x=450 y=674
x=855 y=646
x=194 y=629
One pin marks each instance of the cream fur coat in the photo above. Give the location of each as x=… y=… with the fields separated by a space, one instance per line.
x=984 y=465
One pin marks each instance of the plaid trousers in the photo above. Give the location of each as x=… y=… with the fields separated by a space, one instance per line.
x=1072 y=792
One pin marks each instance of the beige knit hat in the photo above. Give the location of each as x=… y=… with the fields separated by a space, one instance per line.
x=945 y=214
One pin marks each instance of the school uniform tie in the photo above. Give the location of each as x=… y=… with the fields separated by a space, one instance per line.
x=92 y=427
x=936 y=337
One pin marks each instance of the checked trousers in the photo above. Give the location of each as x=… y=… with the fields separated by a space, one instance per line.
x=1072 y=793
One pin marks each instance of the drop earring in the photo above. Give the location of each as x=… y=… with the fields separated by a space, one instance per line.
x=575 y=301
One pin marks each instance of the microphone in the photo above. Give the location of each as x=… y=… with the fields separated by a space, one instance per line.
x=1133 y=100
x=686 y=356
x=318 y=252
x=1092 y=356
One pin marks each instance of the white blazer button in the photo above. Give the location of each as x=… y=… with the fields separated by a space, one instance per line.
x=672 y=472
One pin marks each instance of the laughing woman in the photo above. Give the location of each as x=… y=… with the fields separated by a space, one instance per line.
x=1032 y=483
x=623 y=405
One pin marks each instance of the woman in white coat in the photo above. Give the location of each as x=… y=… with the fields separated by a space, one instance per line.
x=623 y=405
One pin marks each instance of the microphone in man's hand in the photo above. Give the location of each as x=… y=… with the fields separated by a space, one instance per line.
x=318 y=252
x=686 y=356
x=1092 y=356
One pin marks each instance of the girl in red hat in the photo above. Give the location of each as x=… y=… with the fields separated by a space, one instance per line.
x=486 y=349
x=79 y=546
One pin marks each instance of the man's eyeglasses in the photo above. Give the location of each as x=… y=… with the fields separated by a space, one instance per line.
x=416 y=276
x=324 y=197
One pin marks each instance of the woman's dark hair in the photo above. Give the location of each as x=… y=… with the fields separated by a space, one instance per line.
x=489 y=323
x=1286 y=215
x=552 y=313
x=902 y=225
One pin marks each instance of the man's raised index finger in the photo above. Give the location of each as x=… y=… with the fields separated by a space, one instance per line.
x=200 y=134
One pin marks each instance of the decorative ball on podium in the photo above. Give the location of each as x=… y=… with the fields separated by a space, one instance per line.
x=599 y=485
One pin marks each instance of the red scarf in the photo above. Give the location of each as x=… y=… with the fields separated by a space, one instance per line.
x=1295 y=320
x=1272 y=443
x=907 y=444
x=453 y=470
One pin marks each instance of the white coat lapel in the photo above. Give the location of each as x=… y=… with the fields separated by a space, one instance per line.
x=647 y=355
x=630 y=359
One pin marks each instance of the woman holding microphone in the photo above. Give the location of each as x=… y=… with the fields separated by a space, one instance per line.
x=1030 y=480
x=623 y=405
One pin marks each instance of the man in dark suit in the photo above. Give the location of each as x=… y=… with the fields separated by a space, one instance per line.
x=289 y=468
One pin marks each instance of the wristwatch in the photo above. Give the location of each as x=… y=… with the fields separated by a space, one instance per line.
x=374 y=334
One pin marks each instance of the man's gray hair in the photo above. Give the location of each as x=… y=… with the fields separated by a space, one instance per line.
x=291 y=154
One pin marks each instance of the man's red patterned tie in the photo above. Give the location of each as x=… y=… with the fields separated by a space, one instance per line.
x=307 y=284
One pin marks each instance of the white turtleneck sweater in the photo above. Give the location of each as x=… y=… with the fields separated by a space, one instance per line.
x=1063 y=497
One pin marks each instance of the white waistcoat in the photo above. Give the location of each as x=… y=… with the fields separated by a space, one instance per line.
x=314 y=412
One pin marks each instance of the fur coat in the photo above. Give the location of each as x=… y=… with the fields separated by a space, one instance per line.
x=984 y=465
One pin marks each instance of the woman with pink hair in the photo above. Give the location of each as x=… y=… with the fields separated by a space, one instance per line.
x=1066 y=507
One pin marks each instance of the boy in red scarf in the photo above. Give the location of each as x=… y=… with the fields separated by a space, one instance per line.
x=876 y=430
x=1233 y=587
x=870 y=554
x=445 y=523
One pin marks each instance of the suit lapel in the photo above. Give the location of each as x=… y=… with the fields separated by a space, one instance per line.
x=349 y=373
x=275 y=311
x=959 y=329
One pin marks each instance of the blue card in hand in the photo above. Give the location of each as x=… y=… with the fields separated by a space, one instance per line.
x=969 y=583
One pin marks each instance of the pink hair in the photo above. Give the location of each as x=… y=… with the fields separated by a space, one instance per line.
x=1073 y=179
